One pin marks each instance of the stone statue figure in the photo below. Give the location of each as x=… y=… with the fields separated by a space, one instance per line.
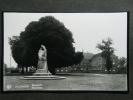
x=42 y=67
x=42 y=58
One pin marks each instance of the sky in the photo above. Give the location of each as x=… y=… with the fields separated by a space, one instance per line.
x=88 y=29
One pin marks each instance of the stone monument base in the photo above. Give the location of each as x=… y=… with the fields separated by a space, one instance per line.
x=42 y=74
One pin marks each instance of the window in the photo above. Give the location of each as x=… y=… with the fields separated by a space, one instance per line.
x=100 y=60
x=113 y=68
x=113 y=61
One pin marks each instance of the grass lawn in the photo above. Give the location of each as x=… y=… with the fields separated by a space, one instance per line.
x=76 y=81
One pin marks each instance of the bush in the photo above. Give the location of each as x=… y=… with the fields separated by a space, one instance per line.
x=15 y=71
x=122 y=70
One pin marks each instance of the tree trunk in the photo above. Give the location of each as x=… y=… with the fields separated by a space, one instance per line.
x=108 y=71
x=22 y=70
x=26 y=69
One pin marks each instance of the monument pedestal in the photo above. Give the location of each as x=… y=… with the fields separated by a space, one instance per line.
x=42 y=74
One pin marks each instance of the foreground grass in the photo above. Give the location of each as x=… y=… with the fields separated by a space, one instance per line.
x=77 y=81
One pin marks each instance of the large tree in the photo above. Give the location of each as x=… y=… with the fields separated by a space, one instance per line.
x=107 y=51
x=17 y=47
x=47 y=31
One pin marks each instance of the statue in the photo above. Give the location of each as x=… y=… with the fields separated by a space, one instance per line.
x=42 y=60
x=42 y=67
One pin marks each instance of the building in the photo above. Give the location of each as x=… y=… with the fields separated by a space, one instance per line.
x=83 y=67
x=98 y=64
x=91 y=64
x=63 y=70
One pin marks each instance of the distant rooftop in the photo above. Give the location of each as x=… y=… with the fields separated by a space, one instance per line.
x=96 y=55
x=99 y=54
x=88 y=55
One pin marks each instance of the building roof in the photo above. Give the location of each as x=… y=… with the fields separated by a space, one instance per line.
x=99 y=54
x=96 y=55
x=88 y=55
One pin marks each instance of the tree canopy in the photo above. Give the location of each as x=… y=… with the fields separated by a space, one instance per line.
x=49 y=32
x=107 y=51
x=122 y=61
x=78 y=57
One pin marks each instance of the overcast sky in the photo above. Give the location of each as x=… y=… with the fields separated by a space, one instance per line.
x=88 y=29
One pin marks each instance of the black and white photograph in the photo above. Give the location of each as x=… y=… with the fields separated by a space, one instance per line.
x=65 y=51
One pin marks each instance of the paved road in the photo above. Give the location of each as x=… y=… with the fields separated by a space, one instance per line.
x=86 y=81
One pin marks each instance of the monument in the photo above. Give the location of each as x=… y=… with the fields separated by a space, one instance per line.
x=42 y=67
x=42 y=71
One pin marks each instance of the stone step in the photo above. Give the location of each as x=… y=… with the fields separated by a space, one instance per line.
x=42 y=77
x=42 y=74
